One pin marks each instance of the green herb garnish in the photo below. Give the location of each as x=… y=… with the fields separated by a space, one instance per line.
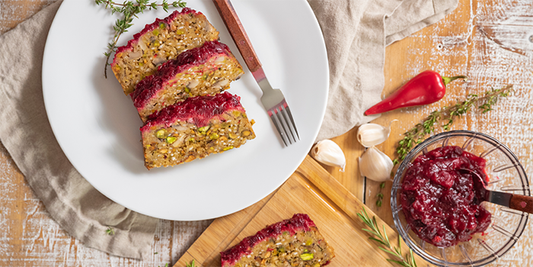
x=130 y=10
x=192 y=264
x=379 y=201
x=447 y=114
x=383 y=239
x=110 y=231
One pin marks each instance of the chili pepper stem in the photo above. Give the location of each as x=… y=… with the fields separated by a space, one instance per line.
x=448 y=80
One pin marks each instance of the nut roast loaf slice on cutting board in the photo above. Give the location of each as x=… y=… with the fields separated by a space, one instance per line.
x=194 y=129
x=292 y=242
x=205 y=70
x=159 y=42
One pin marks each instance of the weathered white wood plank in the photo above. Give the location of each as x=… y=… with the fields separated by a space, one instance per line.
x=29 y=237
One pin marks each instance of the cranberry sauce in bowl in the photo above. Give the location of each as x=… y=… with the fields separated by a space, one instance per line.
x=439 y=199
x=435 y=207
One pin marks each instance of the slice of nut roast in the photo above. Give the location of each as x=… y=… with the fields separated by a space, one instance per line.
x=205 y=70
x=159 y=42
x=292 y=242
x=194 y=129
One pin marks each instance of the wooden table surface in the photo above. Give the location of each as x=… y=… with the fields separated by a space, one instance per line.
x=483 y=39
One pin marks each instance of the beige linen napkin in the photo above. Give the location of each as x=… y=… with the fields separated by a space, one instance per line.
x=356 y=33
x=25 y=132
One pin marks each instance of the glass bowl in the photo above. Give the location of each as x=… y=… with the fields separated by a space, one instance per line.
x=506 y=174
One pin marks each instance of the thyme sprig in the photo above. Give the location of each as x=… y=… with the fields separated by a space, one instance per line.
x=110 y=230
x=430 y=124
x=130 y=10
x=407 y=261
x=380 y=195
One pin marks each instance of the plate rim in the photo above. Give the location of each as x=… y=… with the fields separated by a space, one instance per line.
x=258 y=197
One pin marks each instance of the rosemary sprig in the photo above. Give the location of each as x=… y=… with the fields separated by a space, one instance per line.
x=130 y=10
x=407 y=261
x=448 y=115
x=192 y=264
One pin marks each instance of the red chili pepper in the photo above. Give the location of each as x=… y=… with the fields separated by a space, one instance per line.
x=425 y=88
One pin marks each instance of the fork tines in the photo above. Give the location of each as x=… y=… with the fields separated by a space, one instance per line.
x=282 y=117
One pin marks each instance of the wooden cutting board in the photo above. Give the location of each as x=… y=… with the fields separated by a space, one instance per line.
x=312 y=190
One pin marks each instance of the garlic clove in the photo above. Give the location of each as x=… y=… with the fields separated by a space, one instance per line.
x=329 y=153
x=372 y=134
x=375 y=165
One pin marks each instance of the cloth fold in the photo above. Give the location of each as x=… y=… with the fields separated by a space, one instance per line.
x=70 y=200
x=356 y=33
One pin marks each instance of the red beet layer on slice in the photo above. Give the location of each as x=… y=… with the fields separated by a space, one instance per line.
x=194 y=129
x=159 y=42
x=205 y=70
x=292 y=242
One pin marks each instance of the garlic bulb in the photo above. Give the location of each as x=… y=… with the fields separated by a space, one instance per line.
x=375 y=165
x=371 y=134
x=329 y=153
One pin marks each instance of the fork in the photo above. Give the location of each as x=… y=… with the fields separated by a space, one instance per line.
x=273 y=100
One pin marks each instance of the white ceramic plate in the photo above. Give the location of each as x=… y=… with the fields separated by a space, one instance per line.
x=98 y=128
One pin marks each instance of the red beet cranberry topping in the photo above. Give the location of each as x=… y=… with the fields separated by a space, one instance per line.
x=298 y=222
x=198 y=110
x=151 y=27
x=150 y=85
x=440 y=200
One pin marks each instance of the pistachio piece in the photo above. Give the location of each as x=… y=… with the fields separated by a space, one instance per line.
x=307 y=256
x=204 y=129
x=213 y=136
x=161 y=134
x=171 y=139
x=227 y=148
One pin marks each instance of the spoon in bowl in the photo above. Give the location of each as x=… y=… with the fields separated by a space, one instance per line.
x=513 y=201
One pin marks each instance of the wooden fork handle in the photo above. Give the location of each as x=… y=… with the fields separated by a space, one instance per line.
x=521 y=203
x=235 y=28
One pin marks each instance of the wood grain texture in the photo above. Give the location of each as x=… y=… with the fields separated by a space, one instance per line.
x=456 y=46
x=453 y=46
x=311 y=190
x=29 y=237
